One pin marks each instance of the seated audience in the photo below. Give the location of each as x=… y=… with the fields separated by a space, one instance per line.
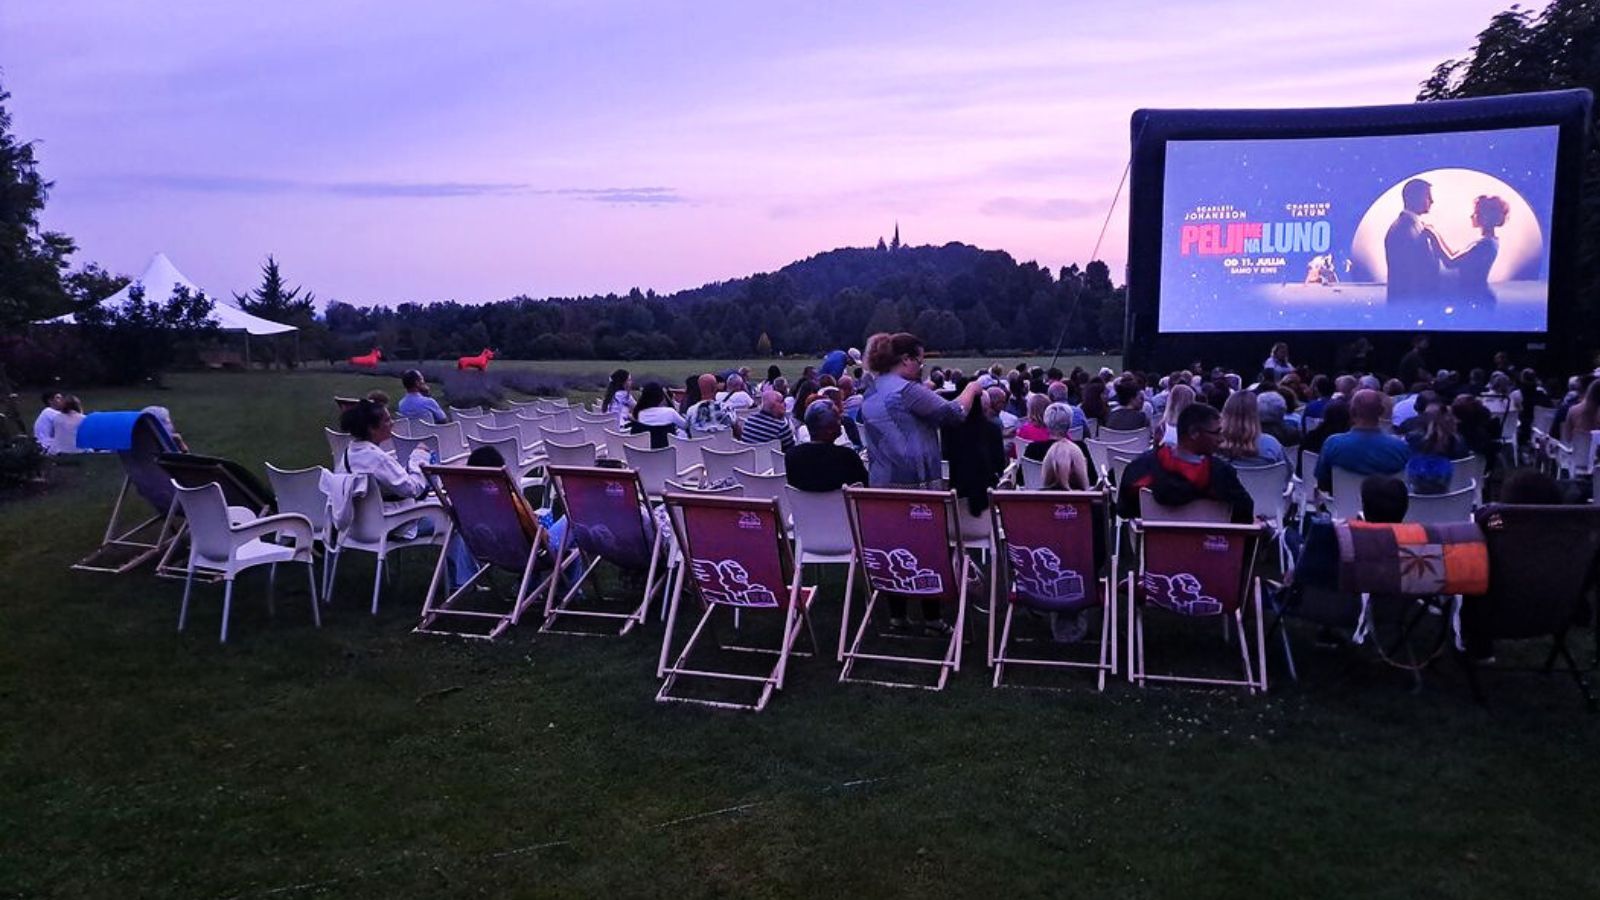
x=821 y=464
x=1433 y=447
x=1064 y=466
x=1129 y=413
x=737 y=396
x=1032 y=428
x=164 y=416
x=714 y=412
x=1384 y=499
x=67 y=425
x=769 y=423
x=1274 y=410
x=418 y=402
x=1243 y=442
x=1366 y=449
x=1178 y=400
x=976 y=452
x=1190 y=471
x=653 y=415
x=44 y=427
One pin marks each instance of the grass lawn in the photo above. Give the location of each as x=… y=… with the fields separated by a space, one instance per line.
x=360 y=760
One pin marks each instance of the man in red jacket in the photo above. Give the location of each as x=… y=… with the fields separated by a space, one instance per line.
x=1187 y=472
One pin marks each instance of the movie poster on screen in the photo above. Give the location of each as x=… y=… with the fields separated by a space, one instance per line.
x=1445 y=231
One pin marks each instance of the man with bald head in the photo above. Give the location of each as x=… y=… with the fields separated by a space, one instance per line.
x=711 y=414
x=769 y=423
x=822 y=464
x=1365 y=449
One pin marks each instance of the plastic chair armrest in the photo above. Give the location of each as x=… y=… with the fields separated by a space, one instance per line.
x=292 y=525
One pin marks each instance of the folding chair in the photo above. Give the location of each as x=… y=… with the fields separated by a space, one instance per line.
x=223 y=543
x=244 y=494
x=1541 y=566
x=487 y=509
x=608 y=520
x=1049 y=566
x=822 y=537
x=139 y=439
x=738 y=558
x=1196 y=570
x=909 y=543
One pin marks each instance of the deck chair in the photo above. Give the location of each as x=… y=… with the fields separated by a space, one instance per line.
x=1049 y=566
x=139 y=439
x=739 y=561
x=1197 y=570
x=487 y=509
x=223 y=543
x=909 y=543
x=822 y=537
x=1196 y=511
x=1542 y=563
x=244 y=494
x=608 y=520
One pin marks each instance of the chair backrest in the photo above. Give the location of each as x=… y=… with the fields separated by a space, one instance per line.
x=905 y=540
x=367 y=524
x=735 y=549
x=607 y=514
x=1196 y=569
x=506 y=446
x=1100 y=455
x=496 y=432
x=528 y=428
x=564 y=435
x=405 y=446
x=689 y=450
x=655 y=467
x=1138 y=438
x=1508 y=426
x=559 y=454
x=1346 y=499
x=505 y=418
x=402 y=426
x=764 y=486
x=1049 y=543
x=721 y=463
x=470 y=412
x=1467 y=470
x=1117 y=459
x=617 y=441
x=1541 y=562
x=1544 y=417
x=1455 y=506
x=724 y=440
x=451 y=438
x=338 y=442
x=1032 y=473
x=1266 y=486
x=561 y=418
x=580 y=416
x=240 y=487
x=595 y=433
x=727 y=490
x=488 y=512
x=1193 y=511
x=300 y=491
x=210 y=532
x=821 y=520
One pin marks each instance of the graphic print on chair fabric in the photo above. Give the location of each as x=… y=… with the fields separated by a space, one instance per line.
x=1038 y=577
x=900 y=571
x=725 y=581
x=606 y=519
x=1181 y=593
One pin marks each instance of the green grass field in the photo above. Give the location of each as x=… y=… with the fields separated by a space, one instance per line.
x=360 y=760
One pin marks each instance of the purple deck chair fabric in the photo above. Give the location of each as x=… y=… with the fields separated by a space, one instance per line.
x=1050 y=550
x=604 y=515
x=905 y=546
x=139 y=439
x=733 y=551
x=1194 y=571
x=490 y=514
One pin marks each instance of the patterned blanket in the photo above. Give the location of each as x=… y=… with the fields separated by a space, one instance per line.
x=1412 y=559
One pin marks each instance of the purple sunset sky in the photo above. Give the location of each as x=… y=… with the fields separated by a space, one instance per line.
x=390 y=151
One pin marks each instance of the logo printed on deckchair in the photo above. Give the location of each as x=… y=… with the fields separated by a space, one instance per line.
x=1038 y=574
x=1215 y=543
x=727 y=582
x=615 y=489
x=750 y=521
x=922 y=512
x=899 y=571
x=1064 y=512
x=1180 y=593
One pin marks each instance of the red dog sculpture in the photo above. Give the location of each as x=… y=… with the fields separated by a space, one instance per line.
x=479 y=362
x=370 y=361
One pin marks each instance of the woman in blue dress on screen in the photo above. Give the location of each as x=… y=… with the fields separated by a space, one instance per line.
x=1472 y=265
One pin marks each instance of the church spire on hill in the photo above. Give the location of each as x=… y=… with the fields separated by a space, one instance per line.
x=895 y=244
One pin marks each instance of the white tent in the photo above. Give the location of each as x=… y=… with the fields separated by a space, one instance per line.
x=161 y=277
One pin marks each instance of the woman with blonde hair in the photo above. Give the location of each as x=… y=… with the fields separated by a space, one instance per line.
x=1178 y=399
x=1064 y=466
x=1243 y=442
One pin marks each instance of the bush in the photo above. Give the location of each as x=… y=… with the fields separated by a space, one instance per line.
x=21 y=461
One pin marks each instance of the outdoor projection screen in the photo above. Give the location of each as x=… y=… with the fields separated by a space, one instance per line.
x=1441 y=217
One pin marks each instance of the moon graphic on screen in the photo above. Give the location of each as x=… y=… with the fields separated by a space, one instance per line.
x=1454 y=192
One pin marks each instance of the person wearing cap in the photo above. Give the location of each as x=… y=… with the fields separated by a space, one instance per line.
x=417 y=403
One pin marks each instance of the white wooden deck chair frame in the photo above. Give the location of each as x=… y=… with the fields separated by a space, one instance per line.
x=767 y=516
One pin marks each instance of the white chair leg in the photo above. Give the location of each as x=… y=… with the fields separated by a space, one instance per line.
x=272 y=588
x=377 y=585
x=311 y=580
x=227 y=607
x=330 y=570
x=188 y=587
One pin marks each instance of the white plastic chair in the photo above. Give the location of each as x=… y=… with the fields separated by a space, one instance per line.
x=657 y=467
x=1468 y=471
x=721 y=464
x=822 y=537
x=338 y=442
x=1032 y=473
x=1270 y=489
x=689 y=450
x=225 y=544
x=452 y=439
x=1575 y=459
x=518 y=462
x=1455 y=506
x=765 y=486
x=372 y=531
x=1345 y=502
x=299 y=491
